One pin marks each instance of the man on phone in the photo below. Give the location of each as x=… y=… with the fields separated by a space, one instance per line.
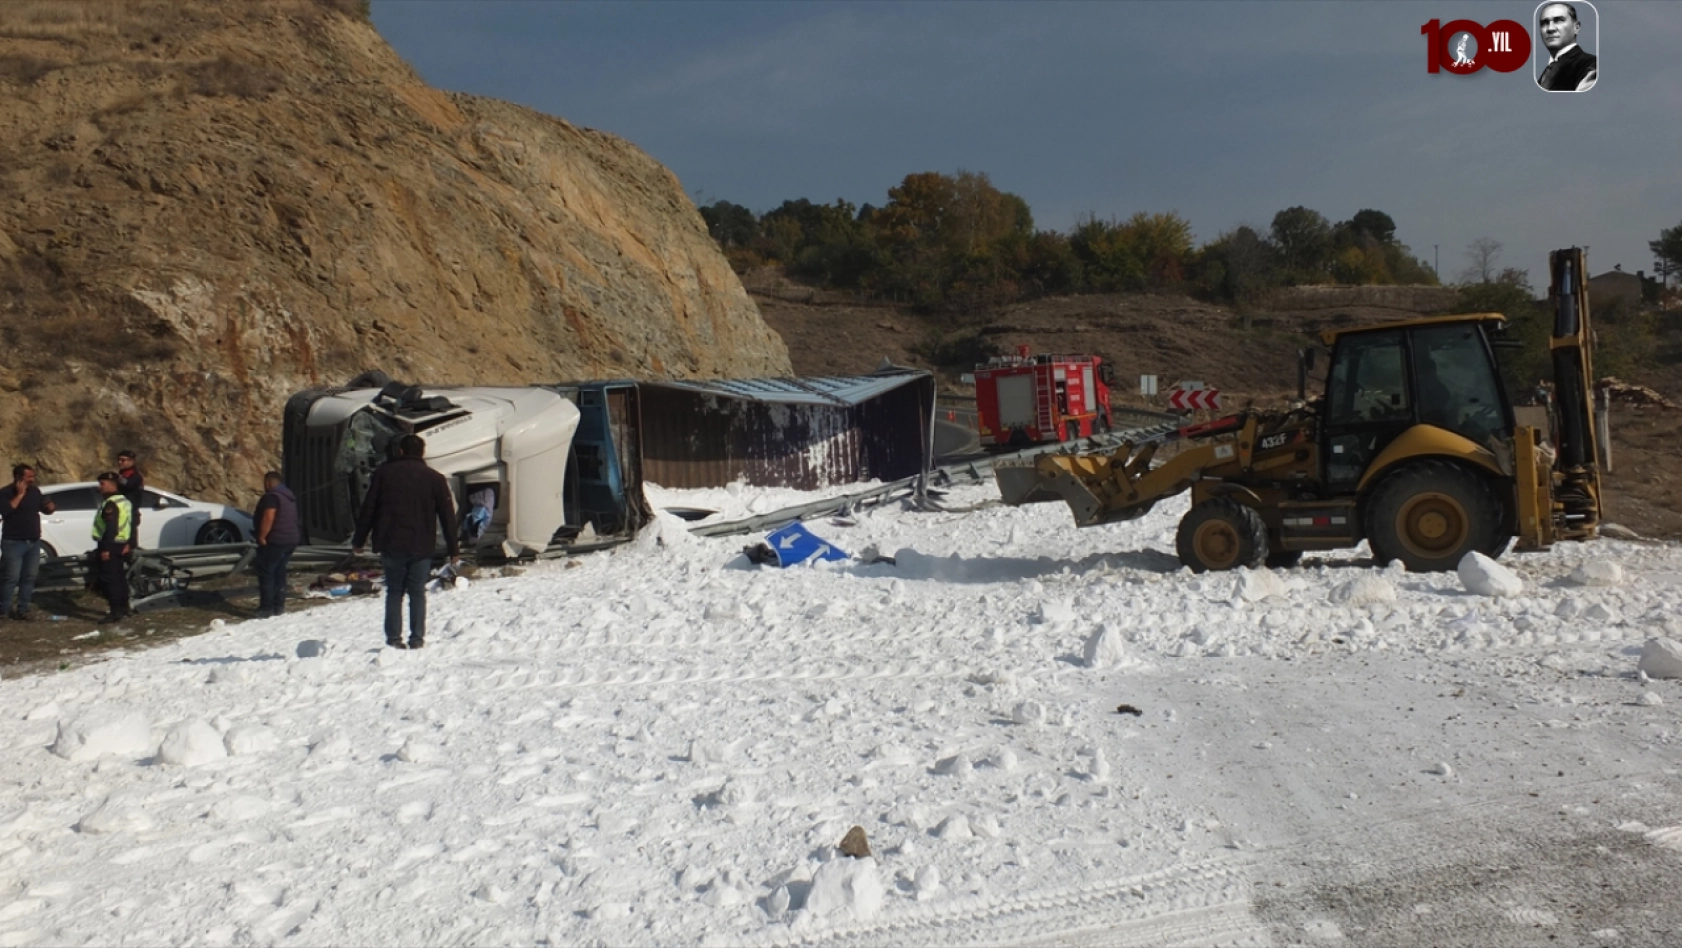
x=21 y=504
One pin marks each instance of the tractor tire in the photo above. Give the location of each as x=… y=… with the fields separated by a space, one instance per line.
x=1430 y=514
x=1221 y=534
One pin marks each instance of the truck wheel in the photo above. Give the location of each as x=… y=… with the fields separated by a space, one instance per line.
x=1220 y=534
x=1430 y=514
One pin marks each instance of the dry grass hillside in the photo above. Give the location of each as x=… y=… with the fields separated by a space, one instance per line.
x=205 y=206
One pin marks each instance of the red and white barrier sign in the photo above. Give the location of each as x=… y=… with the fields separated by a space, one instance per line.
x=1195 y=399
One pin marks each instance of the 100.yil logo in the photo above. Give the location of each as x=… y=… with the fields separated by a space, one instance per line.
x=1463 y=46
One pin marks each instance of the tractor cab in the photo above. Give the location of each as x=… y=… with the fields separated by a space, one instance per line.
x=1385 y=381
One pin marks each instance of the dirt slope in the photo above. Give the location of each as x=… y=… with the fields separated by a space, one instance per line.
x=207 y=206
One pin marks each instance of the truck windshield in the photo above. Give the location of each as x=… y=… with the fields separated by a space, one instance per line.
x=1458 y=386
x=368 y=440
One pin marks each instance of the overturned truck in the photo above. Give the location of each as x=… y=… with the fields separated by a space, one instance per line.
x=562 y=465
x=556 y=463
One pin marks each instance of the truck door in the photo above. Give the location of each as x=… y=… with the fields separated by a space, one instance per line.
x=1368 y=404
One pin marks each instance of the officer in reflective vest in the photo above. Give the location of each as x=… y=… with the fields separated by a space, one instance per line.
x=113 y=532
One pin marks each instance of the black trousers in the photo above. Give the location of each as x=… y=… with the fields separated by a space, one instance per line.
x=270 y=565
x=406 y=574
x=113 y=578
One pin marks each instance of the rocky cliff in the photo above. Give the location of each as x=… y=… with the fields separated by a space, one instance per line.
x=206 y=206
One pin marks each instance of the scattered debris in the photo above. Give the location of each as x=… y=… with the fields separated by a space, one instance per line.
x=790 y=545
x=1635 y=396
x=854 y=844
x=1128 y=709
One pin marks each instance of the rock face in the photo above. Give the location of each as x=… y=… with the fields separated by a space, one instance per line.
x=205 y=207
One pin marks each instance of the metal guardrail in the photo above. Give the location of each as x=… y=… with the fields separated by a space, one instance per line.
x=964 y=472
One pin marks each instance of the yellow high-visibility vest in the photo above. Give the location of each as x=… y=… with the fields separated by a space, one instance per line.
x=125 y=519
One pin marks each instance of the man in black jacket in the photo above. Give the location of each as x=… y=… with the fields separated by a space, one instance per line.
x=1570 y=69
x=407 y=503
x=21 y=504
x=131 y=484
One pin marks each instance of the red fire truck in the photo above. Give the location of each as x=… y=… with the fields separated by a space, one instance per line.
x=1028 y=399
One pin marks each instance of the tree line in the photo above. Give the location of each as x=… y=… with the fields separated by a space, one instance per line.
x=955 y=242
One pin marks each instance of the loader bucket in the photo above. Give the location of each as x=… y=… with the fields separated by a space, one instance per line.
x=1021 y=483
x=1050 y=477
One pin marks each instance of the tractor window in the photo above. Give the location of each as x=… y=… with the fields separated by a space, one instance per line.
x=1368 y=380
x=1458 y=385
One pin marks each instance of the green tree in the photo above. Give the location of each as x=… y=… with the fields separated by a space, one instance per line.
x=1145 y=251
x=732 y=225
x=1362 y=264
x=1238 y=266
x=1524 y=359
x=780 y=238
x=1304 y=239
x=1375 y=224
x=1668 y=248
x=1407 y=269
x=1048 y=266
x=945 y=239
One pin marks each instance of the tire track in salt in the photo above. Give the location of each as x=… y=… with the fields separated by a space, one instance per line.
x=1212 y=902
x=1205 y=903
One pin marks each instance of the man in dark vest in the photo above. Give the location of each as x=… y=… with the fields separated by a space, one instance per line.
x=406 y=505
x=278 y=533
x=1570 y=69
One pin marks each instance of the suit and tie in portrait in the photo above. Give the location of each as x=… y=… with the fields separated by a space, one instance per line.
x=1570 y=67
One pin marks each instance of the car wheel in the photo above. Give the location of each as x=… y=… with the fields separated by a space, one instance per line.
x=218 y=531
x=48 y=551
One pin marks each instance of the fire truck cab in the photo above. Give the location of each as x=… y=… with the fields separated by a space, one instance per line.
x=1026 y=399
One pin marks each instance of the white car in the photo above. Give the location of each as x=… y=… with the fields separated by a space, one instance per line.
x=166 y=520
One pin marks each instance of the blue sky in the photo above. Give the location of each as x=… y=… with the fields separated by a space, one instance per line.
x=1225 y=112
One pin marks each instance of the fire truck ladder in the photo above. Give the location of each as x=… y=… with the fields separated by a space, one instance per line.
x=1045 y=396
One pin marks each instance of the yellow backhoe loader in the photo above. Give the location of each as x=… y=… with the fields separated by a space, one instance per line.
x=1414 y=447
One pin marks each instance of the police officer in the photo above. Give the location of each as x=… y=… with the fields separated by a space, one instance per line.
x=131 y=484
x=113 y=534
